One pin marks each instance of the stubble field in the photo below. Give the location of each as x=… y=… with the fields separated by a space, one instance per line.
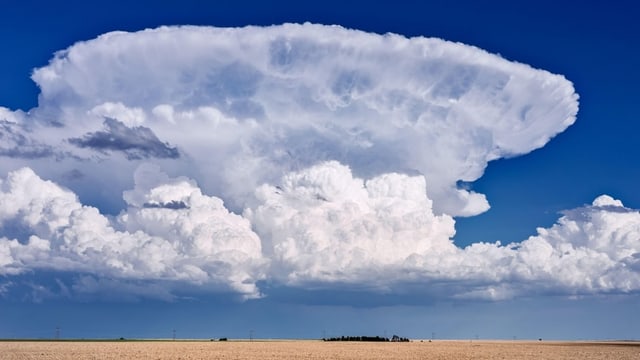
x=190 y=350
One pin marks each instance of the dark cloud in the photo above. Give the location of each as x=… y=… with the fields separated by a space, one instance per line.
x=14 y=144
x=74 y=174
x=135 y=142
x=174 y=205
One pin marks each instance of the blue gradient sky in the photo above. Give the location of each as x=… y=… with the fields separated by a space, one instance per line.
x=593 y=45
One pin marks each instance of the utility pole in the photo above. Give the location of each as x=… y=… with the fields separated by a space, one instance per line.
x=174 y=334
x=57 y=333
x=250 y=335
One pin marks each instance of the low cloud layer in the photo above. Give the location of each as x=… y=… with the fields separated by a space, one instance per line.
x=302 y=156
x=318 y=228
x=324 y=225
x=202 y=244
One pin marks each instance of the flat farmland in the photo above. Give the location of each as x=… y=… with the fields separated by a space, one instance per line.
x=188 y=350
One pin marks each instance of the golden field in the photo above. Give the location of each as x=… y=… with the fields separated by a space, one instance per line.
x=190 y=350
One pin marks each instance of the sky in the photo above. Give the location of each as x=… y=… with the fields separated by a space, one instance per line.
x=222 y=169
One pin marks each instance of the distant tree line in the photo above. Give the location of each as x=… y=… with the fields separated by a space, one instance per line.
x=395 y=338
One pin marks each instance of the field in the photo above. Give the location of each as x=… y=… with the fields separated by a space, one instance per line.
x=188 y=350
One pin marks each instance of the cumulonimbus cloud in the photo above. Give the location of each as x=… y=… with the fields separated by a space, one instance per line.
x=246 y=105
x=304 y=155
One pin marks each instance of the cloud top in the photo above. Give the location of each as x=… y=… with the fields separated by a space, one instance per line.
x=284 y=98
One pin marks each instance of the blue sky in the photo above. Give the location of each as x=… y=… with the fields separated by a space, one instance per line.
x=593 y=46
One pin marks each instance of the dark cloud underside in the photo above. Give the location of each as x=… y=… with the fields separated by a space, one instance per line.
x=135 y=142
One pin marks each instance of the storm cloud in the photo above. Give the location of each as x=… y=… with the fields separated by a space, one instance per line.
x=136 y=143
x=299 y=156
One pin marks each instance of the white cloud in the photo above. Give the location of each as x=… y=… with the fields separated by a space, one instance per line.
x=216 y=244
x=199 y=243
x=243 y=106
x=341 y=149
x=128 y=116
x=590 y=249
x=322 y=225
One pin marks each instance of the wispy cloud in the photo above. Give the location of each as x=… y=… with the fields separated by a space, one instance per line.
x=15 y=143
